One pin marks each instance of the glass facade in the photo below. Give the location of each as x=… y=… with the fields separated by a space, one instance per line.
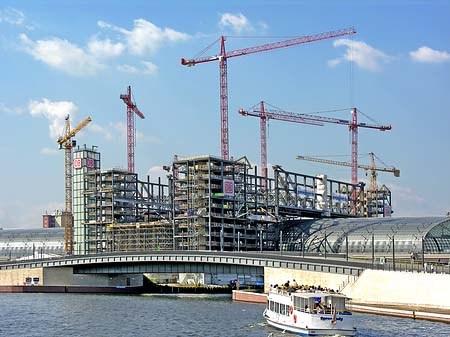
x=84 y=160
x=17 y=243
x=406 y=235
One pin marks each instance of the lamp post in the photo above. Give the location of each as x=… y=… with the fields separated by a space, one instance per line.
x=423 y=253
x=239 y=241
x=393 y=252
x=346 y=246
x=373 y=250
x=260 y=240
x=281 y=242
x=303 y=244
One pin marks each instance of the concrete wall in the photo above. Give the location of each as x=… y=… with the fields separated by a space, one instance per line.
x=63 y=276
x=401 y=288
x=281 y=275
x=17 y=277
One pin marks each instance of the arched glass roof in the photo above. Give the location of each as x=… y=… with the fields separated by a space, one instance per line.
x=357 y=234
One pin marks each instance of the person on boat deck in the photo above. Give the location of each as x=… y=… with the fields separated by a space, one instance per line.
x=307 y=308
x=294 y=284
x=318 y=307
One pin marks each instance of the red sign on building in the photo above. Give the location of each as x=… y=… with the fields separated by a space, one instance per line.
x=77 y=163
x=228 y=187
x=90 y=163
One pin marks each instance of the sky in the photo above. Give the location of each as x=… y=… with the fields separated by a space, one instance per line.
x=77 y=57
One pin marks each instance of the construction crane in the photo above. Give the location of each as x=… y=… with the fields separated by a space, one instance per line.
x=372 y=167
x=264 y=116
x=65 y=142
x=353 y=125
x=132 y=109
x=224 y=56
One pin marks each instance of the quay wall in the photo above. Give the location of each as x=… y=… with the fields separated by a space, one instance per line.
x=279 y=276
x=17 y=277
x=64 y=276
x=378 y=287
x=375 y=287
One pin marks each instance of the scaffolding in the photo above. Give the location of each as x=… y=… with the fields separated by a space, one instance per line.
x=209 y=203
x=121 y=208
x=378 y=202
x=154 y=236
x=211 y=194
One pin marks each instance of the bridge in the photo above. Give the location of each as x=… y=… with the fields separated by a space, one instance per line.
x=115 y=269
x=190 y=262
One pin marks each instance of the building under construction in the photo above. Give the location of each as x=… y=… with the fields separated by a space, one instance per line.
x=208 y=203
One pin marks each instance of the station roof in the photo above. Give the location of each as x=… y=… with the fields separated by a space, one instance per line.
x=420 y=226
x=34 y=234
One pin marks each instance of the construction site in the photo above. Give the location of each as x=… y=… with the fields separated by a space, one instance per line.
x=212 y=202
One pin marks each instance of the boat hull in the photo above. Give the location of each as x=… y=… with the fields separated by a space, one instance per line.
x=303 y=331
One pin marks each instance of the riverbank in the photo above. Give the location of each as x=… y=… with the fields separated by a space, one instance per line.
x=71 y=289
x=148 y=287
x=414 y=312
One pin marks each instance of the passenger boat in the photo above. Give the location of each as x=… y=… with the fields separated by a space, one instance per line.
x=309 y=313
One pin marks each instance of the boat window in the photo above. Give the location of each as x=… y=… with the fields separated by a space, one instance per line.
x=339 y=303
x=298 y=302
x=277 y=307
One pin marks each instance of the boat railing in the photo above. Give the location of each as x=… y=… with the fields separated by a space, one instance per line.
x=326 y=310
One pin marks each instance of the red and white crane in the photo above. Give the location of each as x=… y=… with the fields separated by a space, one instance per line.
x=223 y=56
x=276 y=114
x=132 y=109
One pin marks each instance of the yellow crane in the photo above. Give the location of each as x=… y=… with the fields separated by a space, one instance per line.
x=65 y=142
x=372 y=167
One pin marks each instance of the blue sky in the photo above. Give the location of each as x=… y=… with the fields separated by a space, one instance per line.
x=77 y=57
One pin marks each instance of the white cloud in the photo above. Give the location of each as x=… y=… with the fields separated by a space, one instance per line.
x=105 y=48
x=364 y=55
x=427 y=55
x=157 y=171
x=126 y=68
x=405 y=193
x=146 y=38
x=12 y=16
x=55 y=112
x=148 y=68
x=237 y=22
x=96 y=128
x=62 y=55
x=140 y=136
x=46 y=151
x=10 y=110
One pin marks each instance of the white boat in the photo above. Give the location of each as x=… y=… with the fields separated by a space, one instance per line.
x=309 y=313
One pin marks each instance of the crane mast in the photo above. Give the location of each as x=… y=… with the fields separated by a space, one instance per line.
x=223 y=56
x=65 y=142
x=132 y=109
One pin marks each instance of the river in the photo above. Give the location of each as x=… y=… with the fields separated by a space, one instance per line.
x=166 y=315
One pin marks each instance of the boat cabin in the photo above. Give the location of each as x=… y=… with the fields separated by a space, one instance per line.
x=318 y=303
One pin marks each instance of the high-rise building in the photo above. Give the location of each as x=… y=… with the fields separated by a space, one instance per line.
x=85 y=160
